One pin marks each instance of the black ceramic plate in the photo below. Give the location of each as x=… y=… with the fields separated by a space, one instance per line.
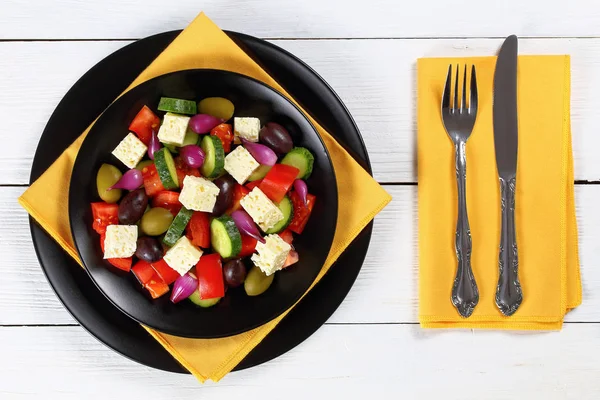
x=72 y=284
x=237 y=312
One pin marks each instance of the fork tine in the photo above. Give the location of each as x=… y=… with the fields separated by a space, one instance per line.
x=473 y=96
x=455 y=104
x=446 y=95
x=463 y=103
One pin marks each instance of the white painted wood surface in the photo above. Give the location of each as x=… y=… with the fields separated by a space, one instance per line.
x=371 y=346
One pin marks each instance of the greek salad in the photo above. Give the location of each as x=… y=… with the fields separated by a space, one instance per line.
x=209 y=201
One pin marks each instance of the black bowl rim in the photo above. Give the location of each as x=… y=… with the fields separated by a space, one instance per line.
x=335 y=203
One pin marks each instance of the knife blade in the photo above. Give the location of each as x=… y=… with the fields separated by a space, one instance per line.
x=506 y=132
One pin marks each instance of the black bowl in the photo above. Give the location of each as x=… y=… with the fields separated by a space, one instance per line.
x=237 y=312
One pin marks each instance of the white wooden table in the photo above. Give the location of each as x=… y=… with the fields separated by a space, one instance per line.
x=372 y=346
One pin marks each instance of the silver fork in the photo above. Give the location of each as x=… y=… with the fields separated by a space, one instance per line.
x=459 y=121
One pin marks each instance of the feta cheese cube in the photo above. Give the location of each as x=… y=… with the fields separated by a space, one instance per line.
x=120 y=241
x=198 y=194
x=271 y=254
x=240 y=164
x=173 y=129
x=262 y=210
x=247 y=128
x=130 y=151
x=182 y=256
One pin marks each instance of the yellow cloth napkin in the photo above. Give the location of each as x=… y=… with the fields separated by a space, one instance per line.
x=203 y=45
x=545 y=209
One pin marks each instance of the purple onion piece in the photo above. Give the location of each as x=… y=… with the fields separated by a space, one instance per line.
x=302 y=190
x=183 y=287
x=261 y=153
x=192 y=155
x=203 y=123
x=154 y=145
x=246 y=225
x=130 y=180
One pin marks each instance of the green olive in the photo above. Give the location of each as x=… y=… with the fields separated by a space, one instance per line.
x=257 y=282
x=156 y=221
x=217 y=107
x=142 y=164
x=107 y=176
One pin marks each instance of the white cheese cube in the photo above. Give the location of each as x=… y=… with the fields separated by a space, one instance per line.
x=247 y=128
x=130 y=151
x=240 y=164
x=173 y=129
x=182 y=256
x=198 y=194
x=271 y=254
x=120 y=241
x=262 y=210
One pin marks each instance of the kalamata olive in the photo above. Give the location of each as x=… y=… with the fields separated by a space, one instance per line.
x=276 y=137
x=156 y=221
x=107 y=176
x=148 y=249
x=226 y=183
x=234 y=272
x=257 y=282
x=132 y=207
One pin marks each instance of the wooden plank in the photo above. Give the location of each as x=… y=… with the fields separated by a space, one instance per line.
x=376 y=82
x=308 y=19
x=352 y=361
x=385 y=291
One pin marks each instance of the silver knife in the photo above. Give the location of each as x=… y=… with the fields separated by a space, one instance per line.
x=506 y=131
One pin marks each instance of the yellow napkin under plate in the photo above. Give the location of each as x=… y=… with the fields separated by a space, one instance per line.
x=203 y=45
x=545 y=209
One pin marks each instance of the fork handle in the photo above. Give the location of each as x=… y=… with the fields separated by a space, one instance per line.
x=465 y=294
x=508 y=293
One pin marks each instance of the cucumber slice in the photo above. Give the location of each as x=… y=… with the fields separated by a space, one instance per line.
x=172 y=148
x=165 y=166
x=195 y=298
x=143 y=164
x=214 y=161
x=225 y=237
x=302 y=159
x=177 y=227
x=177 y=106
x=287 y=208
x=190 y=138
x=259 y=173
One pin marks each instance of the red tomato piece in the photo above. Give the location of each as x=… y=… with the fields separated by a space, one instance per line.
x=104 y=214
x=287 y=236
x=239 y=192
x=156 y=286
x=225 y=133
x=166 y=273
x=184 y=170
x=301 y=212
x=152 y=182
x=198 y=229
x=253 y=184
x=123 y=264
x=143 y=271
x=278 y=181
x=248 y=246
x=291 y=259
x=168 y=200
x=144 y=123
x=210 y=276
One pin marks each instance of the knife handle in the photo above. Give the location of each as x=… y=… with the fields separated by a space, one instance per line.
x=508 y=293
x=465 y=294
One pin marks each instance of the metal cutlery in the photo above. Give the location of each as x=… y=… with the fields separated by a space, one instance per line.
x=508 y=293
x=458 y=121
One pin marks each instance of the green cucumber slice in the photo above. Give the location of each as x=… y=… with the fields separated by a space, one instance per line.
x=225 y=237
x=287 y=208
x=214 y=156
x=178 y=106
x=195 y=298
x=177 y=227
x=165 y=166
x=259 y=173
x=190 y=138
x=302 y=159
